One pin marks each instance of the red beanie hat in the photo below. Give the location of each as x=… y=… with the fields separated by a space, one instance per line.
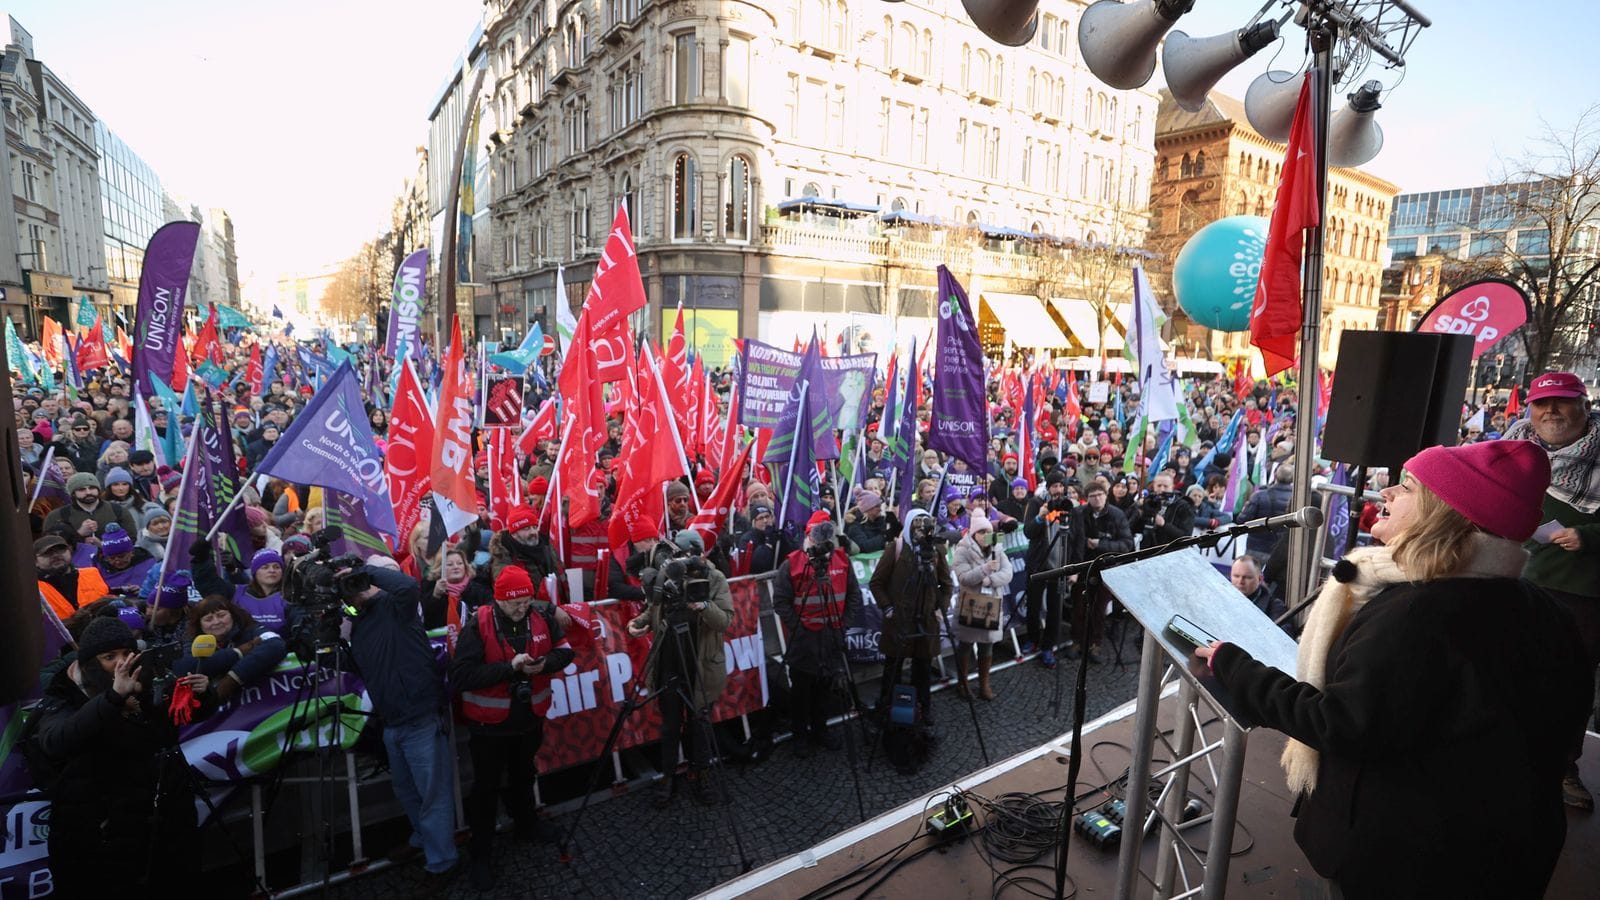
x=538 y=487
x=1498 y=485
x=519 y=518
x=643 y=528
x=705 y=476
x=817 y=518
x=513 y=584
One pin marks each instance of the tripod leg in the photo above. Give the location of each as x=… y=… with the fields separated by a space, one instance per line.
x=702 y=719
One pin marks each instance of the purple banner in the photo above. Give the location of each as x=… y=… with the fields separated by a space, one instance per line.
x=816 y=417
x=331 y=445
x=405 y=312
x=849 y=381
x=960 y=422
x=163 y=287
x=210 y=481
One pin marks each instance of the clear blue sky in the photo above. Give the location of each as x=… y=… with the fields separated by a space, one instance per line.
x=301 y=116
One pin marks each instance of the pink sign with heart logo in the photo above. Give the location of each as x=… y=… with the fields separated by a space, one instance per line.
x=1488 y=310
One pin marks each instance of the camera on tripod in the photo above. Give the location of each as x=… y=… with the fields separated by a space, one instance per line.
x=682 y=580
x=823 y=536
x=318 y=585
x=1057 y=508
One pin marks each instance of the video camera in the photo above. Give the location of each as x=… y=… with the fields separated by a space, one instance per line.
x=155 y=664
x=681 y=580
x=319 y=583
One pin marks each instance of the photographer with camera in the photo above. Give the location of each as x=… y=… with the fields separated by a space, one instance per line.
x=402 y=678
x=1102 y=530
x=689 y=608
x=1167 y=515
x=867 y=525
x=1048 y=528
x=121 y=792
x=912 y=585
x=815 y=593
x=503 y=663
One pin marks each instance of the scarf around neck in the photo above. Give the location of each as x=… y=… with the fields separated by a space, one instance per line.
x=1575 y=468
x=1369 y=571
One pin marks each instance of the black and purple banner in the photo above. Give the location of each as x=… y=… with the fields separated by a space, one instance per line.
x=960 y=422
x=163 y=287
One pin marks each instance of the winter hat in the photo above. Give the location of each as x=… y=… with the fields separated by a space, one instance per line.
x=1009 y=457
x=140 y=457
x=513 y=584
x=263 y=558
x=677 y=489
x=153 y=512
x=118 y=475
x=818 y=518
x=953 y=493
x=171 y=480
x=1019 y=483
x=869 y=501
x=757 y=509
x=1507 y=503
x=115 y=541
x=643 y=528
x=538 y=487
x=521 y=517
x=298 y=543
x=255 y=515
x=705 y=476
x=130 y=617
x=80 y=481
x=979 y=523
x=690 y=540
x=103 y=634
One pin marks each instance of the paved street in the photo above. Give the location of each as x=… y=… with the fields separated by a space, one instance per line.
x=626 y=848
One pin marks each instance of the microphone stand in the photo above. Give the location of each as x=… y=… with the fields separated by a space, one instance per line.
x=1087 y=589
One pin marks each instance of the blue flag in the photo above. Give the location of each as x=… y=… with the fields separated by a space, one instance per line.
x=330 y=444
x=172 y=441
x=276 y=312
x=269 y=367
x=517 y=361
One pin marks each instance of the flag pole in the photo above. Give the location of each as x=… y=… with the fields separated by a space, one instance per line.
x=38 y=483
x=788 y=473
x=677 y=440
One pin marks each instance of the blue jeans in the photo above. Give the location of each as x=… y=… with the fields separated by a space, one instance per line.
x=419 y=763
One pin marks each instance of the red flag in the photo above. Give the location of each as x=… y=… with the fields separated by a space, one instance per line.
x=1513 y=408
x=646 y=461
x=584 y=431
x=1276 y=311
x=180 y=369
x=51 y=344
x=208 y=345
x=1074 y=408
x=675 y=372
x=713 y=515
x=505 y=488
x=729 y=436
x=542 y=427
x=253 y=372
x=1243 y=384
x=408 y=453
x=92 y=349
x=454 y=495
x=616 y=291
x=698 y=421
x=124 y=343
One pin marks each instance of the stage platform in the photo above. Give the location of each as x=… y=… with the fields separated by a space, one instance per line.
x=1265 y=863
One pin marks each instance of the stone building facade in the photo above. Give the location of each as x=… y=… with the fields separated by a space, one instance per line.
x=790 y=163
x=1211 y=164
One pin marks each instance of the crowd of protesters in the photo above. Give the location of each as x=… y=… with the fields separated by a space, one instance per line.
x=1092 y=479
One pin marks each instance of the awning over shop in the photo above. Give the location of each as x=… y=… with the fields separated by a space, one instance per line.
x=1202 y=366
x=1025 y=320
x=1079 y=316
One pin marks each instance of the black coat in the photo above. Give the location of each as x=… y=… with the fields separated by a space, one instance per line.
x=1431 y=689
x=813 y=652
x=1272 y=500
x=1109 y=527
x=109 y=765
x=392 y=652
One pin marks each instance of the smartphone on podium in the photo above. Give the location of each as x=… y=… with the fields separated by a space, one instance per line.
x=1191 y=633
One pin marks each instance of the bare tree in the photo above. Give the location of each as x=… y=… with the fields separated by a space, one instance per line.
x=1548 y=202
x=1101 y=265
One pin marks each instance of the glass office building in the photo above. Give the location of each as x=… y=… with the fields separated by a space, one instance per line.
x=130 y=202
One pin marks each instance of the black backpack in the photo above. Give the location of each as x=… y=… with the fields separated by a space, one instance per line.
x=44 y=769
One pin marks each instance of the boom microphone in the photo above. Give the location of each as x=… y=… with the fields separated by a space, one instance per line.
x=204 y=645
x=1306 y=517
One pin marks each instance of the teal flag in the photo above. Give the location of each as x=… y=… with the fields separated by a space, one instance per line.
x=86 y=313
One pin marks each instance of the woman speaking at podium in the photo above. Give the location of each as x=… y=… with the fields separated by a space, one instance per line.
x=1438 y=695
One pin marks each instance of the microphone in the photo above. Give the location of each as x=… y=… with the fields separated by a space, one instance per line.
x=204 y=645
x=1306 y=517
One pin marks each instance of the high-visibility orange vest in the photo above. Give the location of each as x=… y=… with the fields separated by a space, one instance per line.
x=91 y=587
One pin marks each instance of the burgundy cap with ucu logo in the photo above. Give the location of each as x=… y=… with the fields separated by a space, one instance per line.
x=1556 y=384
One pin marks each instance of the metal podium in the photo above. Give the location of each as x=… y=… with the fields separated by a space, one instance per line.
x=1153 y=591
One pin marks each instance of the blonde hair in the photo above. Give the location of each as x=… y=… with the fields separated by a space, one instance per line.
x=1437 y=541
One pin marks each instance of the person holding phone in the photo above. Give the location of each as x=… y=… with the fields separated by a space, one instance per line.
x=504 y=661
x=1424 y=663
x=121 y=793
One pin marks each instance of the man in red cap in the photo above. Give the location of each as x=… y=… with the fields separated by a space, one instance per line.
x=521 y=543
x=503 y=665
x=815 y=593
x=1565 y=555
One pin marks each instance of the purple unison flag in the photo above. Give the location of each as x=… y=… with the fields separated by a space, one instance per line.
x=405 y=311
x=820 y=433
x=960 y=422
x=163 y=286
x=331 y=444
x=360 y=537
x=905 y=437
x=1338 y=530
x=210 y=481
x=802 y=485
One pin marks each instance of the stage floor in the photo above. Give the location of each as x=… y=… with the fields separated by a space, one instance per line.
x=1266 y=861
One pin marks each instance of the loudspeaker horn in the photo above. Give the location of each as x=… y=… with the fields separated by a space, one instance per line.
x=1118 y=40
x=1009 y=22
x=1195 y=65
x=1269 y=104
x=1353 y=137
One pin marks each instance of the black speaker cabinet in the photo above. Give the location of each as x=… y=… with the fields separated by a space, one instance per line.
x=1395 y=393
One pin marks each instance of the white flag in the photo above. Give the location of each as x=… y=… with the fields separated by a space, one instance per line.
x=1158 y=388
x=566 y=323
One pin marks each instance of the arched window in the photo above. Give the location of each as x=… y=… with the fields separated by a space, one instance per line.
x=736 y=209
x=980 y=73
x=898 y=204
x=966 y=66
x=1261 y=205
x=1200 y=163
x=1186 y=169
x=1241 y=208
x=905 y=47
x=814 y=22
x=685 y=191
x=1189 y=216
x=972 y=217
x=1161 y=169
x=925 y=53
x=1088 y=107
x=997 y=78
x=840 y=26
x=1036 y=228
x=811 y=190
x=1033 y=98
